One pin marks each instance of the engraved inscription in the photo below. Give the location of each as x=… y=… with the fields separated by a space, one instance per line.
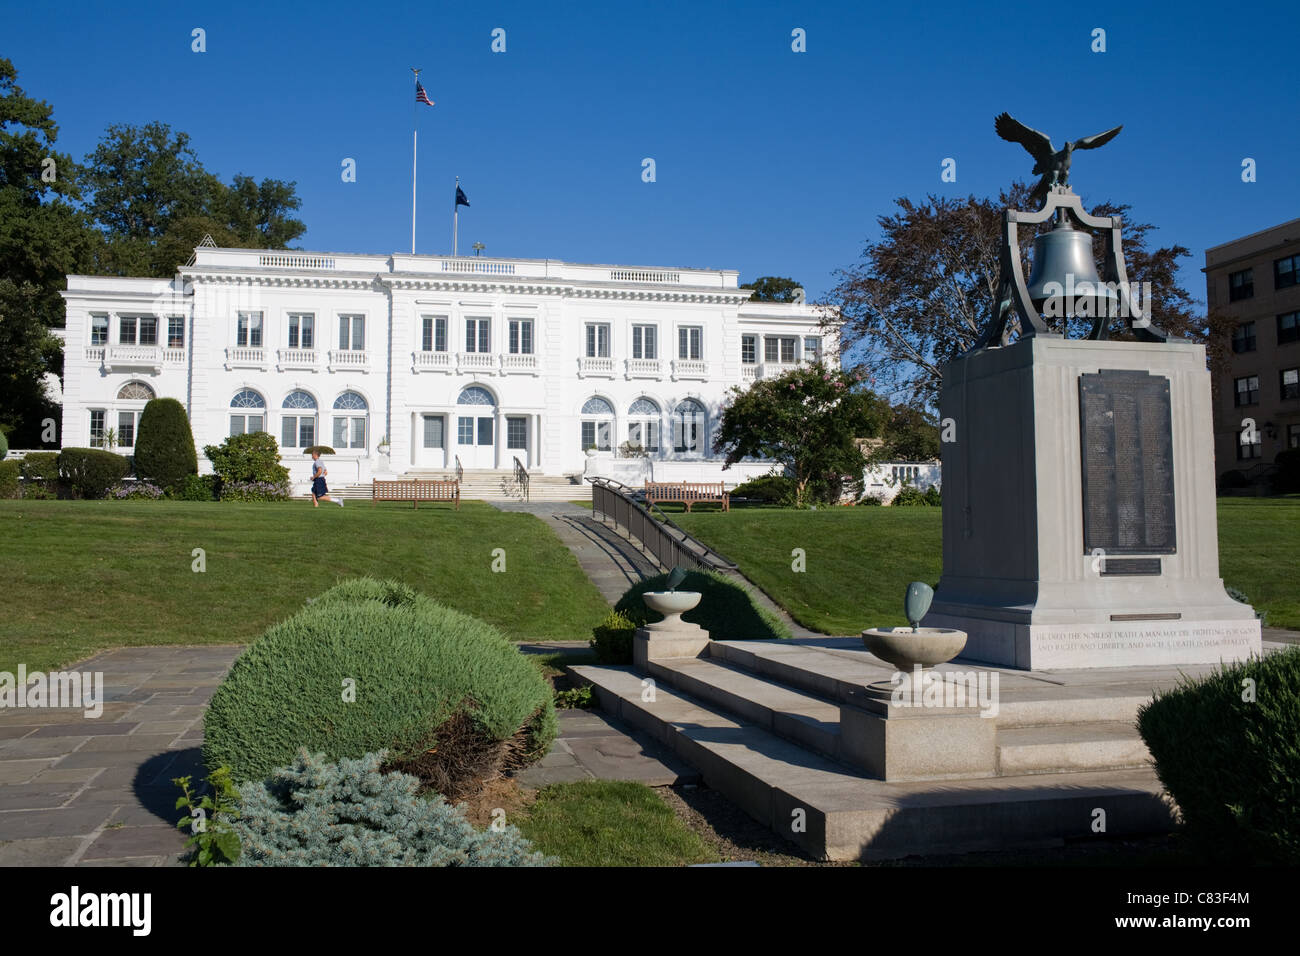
x=1128 y=474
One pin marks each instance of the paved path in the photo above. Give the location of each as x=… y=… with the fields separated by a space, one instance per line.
x=592 y=745
x=98 y=791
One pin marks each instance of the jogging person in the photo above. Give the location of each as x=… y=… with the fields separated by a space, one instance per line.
x=319 y=492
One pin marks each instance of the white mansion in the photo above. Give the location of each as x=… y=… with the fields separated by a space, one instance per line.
x=438 y=360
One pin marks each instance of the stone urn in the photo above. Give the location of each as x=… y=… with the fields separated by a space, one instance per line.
x=672 y=605
x=908 y=647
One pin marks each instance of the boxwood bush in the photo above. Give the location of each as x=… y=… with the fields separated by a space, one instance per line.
x=1227 y=749
x=9 y=472
x=90 y=472
x=41 y=466
x=726 y=609
x=164 y=449
x=318 y=813
x=372 y=666
x=611 y=639
x=770 y=489
x=196 y=488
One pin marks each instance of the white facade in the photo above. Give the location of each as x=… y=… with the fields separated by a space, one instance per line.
x=472 y=359
x=886 y=479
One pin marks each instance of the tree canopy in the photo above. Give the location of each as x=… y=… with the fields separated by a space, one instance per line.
x=772 y=289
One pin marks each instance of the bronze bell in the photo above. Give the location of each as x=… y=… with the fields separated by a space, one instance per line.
x=1064 y=281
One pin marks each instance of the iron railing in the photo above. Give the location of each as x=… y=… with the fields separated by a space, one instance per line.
x=460 y=472
x=521 y=477
x=667 y=544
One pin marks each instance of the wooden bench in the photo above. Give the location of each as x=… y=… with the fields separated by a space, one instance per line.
x=687 y=492
x=415 y=490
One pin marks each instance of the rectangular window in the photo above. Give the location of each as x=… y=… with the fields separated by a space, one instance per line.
x=349 y=432
x=148 y=330
x=96 y=428
x=126 y=325
x=433 y=333
x=588 y=435
x=1291 y=383
x=812 y=348
x=302 y=427
x=175 y=332
x=485 y=430
x=126 y=429
x=99 y=330
x=1293 y=436
x=302 y=330
x=1248 y=390
x=248 y=332
x=246 y=424
x=465 y=430
x=771 y=350
x=749 y=349
x=521 y=336
x=516 y=433
x=478 y=335
x=1241 y=285
x=352 y=333
x=644 y=342
x=690 y=342
x=645 y=434
x=1288 y=328
x=1250 y=449
x=1284 y=271
x=1243 y=337
x=597 y=340
x=433 y=437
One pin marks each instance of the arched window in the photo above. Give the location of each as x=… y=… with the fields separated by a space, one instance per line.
x=476 y=395
x=249 y=413
x=597 y=424
x=298 y=423
x=690 y=427
x=128 y=419
x=643 y=424
x=350 y=421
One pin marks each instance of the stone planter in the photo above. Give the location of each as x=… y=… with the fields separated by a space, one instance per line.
x=905 y=648
x=672 y=605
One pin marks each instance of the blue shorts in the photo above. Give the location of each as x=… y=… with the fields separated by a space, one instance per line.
x=318 y=488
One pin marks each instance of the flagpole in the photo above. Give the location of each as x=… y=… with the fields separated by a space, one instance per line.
x=455 y=214
x=415 y=133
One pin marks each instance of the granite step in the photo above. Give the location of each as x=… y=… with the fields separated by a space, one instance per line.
x=1064 y=748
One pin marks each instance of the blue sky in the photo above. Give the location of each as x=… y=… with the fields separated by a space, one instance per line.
x=767 y=161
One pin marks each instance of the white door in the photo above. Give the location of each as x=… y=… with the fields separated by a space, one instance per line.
x=430 y=441
x=475 y=437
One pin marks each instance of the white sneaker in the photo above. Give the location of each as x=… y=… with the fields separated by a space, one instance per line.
x=339 y=502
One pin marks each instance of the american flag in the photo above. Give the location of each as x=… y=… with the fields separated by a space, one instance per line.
x=420 y=95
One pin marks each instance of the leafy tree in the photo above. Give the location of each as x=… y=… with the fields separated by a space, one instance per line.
x=164 y=449
x=924 y=291
x=772 y=289
x=809 y=419
x=43 y=238
x=909 y=435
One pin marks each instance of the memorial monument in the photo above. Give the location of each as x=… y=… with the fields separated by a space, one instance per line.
x=1079 y=524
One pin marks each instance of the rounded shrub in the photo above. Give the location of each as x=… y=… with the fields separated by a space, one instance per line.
x=611 y=639
x=317 y=813
x=769 y=489
x=164 y=449
x=1286 y=480
x=41 y=466
x=1230 y=758
x=196 y=488
x=9 y=487
x=911 y=496
x=726 y=609
x=4 y=446
x=90 y=472
x=372 y=665
x=252 y=457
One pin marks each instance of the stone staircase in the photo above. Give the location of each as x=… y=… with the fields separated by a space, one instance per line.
x=488 y=485
x=760 y=720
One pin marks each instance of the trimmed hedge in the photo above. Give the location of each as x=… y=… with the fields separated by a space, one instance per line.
x=414 y=665
x=252 y=457
x=164 y=449
x=90 y=472
x=315 y=813
x=772 y=489
x=726 y=609
x=41 y=466
x=9 y=472
x=611 y=639
x=1227 y=749
x=196 y=488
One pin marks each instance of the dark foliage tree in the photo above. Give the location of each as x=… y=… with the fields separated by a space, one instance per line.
x=164 y=449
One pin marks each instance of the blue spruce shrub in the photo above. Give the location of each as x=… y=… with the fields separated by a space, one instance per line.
x=317 y=813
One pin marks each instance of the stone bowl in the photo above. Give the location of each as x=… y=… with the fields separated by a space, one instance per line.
x=671 y=604
x=905 y=648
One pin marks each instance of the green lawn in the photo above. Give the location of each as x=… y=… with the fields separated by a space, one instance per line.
x=610 y=823
x=80 y=576
x=859 y=560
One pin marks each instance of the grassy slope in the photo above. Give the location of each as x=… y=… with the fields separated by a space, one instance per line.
x=860 y=560
x=80 y=576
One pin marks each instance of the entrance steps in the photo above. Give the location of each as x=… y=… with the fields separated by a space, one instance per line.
x=760 y=720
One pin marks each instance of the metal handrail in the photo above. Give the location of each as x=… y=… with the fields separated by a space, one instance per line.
x=521 y=476
x=617 y=501
x=460 y=472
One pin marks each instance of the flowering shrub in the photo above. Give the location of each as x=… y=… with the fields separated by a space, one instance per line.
x=138 y=489
x=255 y=490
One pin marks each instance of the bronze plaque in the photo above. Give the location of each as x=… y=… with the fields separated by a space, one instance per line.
x=1127 y=438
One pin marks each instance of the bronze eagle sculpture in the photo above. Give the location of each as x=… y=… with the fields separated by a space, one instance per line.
x=1052 y=164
